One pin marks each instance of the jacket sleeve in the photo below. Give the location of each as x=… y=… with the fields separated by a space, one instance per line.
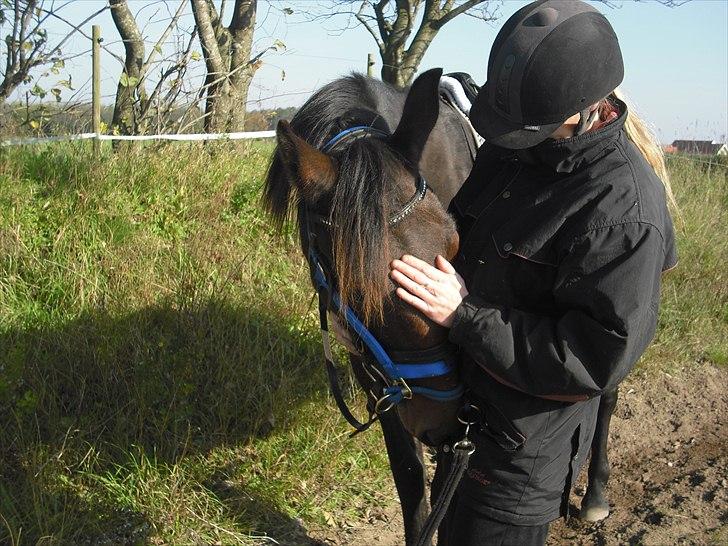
x=606 y=294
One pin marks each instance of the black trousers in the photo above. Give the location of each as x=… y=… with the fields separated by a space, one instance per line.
x=463 y=526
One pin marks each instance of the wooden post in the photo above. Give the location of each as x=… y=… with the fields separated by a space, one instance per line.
x=96 y=86
x=370 y=65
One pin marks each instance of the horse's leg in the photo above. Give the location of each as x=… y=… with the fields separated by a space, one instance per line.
x=408 y=470
x=594 y=506
x=405 y=460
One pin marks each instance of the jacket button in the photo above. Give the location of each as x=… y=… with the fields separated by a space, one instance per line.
x=506 y=194
x=508 y=247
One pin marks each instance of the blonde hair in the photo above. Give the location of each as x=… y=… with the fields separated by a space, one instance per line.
x=642 y=137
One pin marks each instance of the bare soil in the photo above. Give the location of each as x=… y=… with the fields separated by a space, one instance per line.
x=669 y=484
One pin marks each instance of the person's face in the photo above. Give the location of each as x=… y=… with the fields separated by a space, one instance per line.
x=567 y=129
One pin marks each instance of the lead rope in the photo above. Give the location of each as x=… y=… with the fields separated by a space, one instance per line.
x=462 y=451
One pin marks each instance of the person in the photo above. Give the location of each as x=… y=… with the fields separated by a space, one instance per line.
x=553 y=296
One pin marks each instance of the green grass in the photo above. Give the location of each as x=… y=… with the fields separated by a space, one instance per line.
x=160 y=377
x=160 y=373
x=693 y=326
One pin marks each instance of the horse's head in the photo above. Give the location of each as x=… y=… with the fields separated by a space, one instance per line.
x=364 y=206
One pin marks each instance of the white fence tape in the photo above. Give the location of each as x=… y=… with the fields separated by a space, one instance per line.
x=189 y=137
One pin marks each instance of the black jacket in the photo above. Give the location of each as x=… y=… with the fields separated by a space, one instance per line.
x=561 y=247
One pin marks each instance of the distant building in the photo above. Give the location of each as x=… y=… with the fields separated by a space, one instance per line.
x=699 y=147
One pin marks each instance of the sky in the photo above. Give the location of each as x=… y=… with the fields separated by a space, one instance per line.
x=676 y=59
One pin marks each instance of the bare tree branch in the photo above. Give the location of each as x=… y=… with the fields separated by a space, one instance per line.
x=158 y=46
x=363 y=19
x=27 y=44
x=459 y=10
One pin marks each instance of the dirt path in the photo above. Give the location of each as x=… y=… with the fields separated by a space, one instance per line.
x=669 y=453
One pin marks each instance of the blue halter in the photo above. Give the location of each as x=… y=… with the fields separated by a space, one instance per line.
x=366 y=129
x=395 y=372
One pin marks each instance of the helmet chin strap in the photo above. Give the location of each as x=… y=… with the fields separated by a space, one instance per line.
x=586 y=117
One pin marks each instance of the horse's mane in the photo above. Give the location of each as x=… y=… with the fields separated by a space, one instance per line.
x=359 y=205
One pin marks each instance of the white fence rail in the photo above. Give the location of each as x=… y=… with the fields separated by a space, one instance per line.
x=187 y=137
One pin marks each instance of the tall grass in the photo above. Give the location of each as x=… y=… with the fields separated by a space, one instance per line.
x=159 y=361
x=693 y=324
x=160 y=374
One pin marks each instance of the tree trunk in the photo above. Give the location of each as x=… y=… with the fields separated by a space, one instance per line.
x=395 y=44
x=229 y=67
x=130 y=92
x=399 y=60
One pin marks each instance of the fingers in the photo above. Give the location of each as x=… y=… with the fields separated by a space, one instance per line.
x=413 y=300
x=424 y=267
x=419 y=271
x=443 y=265
x=424 y=291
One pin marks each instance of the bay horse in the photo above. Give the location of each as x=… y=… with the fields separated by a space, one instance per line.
x=351 y=169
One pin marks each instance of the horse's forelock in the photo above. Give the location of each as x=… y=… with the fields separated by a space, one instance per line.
x=360 y=231
x=315 y=121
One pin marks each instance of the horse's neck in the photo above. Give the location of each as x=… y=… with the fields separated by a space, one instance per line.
x=450 y=150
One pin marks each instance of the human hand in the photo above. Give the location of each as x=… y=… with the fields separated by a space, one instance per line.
x=435 y=291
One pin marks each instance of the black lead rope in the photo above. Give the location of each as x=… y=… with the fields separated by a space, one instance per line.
x=461 y=456
x=461 y=452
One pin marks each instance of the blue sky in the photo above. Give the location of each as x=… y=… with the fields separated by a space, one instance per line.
x=676 y=60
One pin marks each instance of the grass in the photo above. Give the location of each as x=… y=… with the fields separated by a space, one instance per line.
x=160 y=377
x=160 y=371
x=693 y=324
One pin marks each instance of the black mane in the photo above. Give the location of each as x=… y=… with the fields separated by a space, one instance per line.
x=343 y=103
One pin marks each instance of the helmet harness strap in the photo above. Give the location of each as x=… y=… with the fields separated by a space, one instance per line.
x=586 y=118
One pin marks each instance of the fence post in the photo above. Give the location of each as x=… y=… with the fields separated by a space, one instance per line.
x=96 y=86
x=370 y=65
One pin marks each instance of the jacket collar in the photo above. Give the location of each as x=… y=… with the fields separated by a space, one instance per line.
x=570 y=154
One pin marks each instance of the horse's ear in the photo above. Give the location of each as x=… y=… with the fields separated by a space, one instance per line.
x=421 y=108
x=314 y=172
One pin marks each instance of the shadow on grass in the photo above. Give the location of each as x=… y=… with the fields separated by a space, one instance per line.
x=173 y=381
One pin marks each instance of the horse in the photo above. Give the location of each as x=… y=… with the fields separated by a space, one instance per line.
x=346 y=168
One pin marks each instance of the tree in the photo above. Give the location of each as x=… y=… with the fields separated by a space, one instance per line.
x=133 y=106
x=27 y=46
x=230 y=68
x=131 y=95
x=404 y=29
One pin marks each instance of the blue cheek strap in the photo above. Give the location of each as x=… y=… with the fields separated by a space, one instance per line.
x=396 y=372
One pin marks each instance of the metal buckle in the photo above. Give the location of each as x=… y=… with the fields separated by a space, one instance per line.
x=378 y=407
x=406 y=390
x=468 y=415
x=464 y=445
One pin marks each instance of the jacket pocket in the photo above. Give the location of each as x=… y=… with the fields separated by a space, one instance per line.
x=496 y=426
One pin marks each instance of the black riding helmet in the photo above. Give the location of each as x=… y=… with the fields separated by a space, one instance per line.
x=551 y=60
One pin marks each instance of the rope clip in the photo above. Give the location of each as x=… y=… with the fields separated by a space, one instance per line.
x=468 y=415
